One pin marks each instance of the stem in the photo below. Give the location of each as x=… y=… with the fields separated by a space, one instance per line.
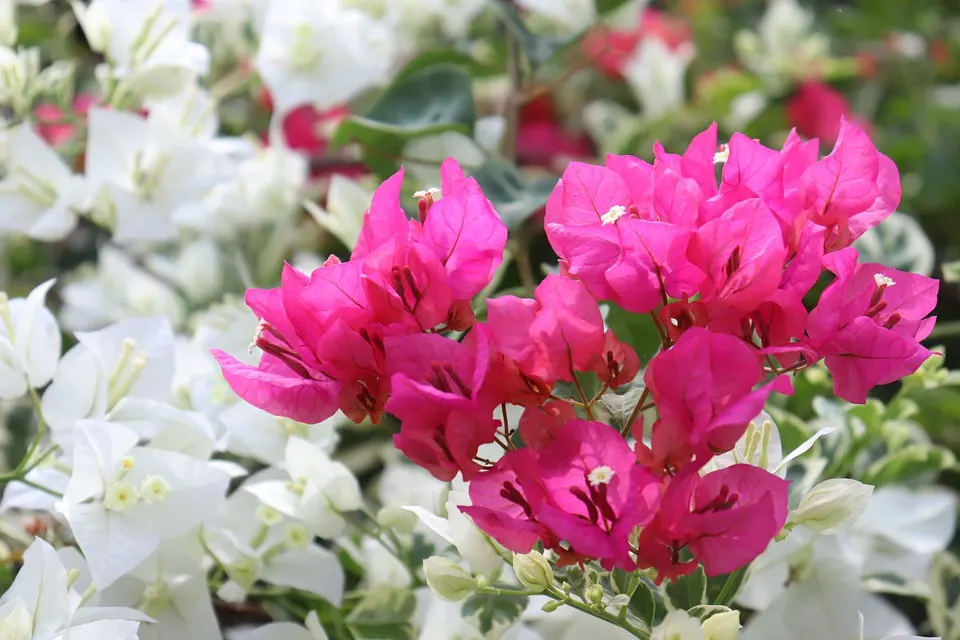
x=514 y=100
x=522 y=258
x=39 y=487
x=664 y=338
x=583 y=396
x=637 y=410
x=601 y=614
x=506 y=426
x=41 y=432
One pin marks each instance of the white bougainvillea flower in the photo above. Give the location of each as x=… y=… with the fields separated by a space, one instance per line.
x=567 y=16
x=166 y=427
x=321 y=53
x=116 y=289
x=146 y=45
x=41 y=604
x=40 y=196
x=784 y=43
x=263 y=188
x=254 y=541
x=262 y=436
x=129 y=359
x=316 y=491
x=346 y=201
x=123 y=500
x=312 y=630
x=809 y=586
x=29 y=342
x=142 y=175
x=656 y=73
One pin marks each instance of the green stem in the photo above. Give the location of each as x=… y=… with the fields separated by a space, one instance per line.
x=41 y=432
x=599 y=613
x=637 y=410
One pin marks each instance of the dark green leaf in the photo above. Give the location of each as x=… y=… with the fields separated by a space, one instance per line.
x=384 y=614
x=428 y=101
x=538 y=48
x=688 y=591
x=644 y=602
x=636 y=330
x=515 y=196
x=492 y=615
x=433 y=57
x=721 y=590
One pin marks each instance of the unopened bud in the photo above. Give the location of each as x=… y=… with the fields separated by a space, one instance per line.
x=397 y=518
x=447 y=579
x=832 y=505
x=533 y=571
x=551 y=606
x=722 y=626
x=595 y=594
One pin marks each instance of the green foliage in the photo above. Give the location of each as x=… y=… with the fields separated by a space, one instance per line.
x=515 y=196
x=687 y=591
x=385 y=613
x=430 y=100
x=636 y=330
x=493 y=615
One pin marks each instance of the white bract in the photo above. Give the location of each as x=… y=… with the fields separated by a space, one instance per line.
x=321 y=53
x=311 y=630
x=129 y=359
x=29 y=342
x=259 y=435
x=254 y=541
x=41 y=604
x=832 y=505
x=318 y=490
x=565 y=16
x=141 y=175
x=343 y=214
x=123 y=500
x=39 y=196
x=656 y=73
x=146 y=46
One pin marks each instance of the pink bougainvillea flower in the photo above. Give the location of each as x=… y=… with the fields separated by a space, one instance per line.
x=596 y=492
x=505 y=500
x=543 y=142
x=559 y=333
x=815 y=109
x=851 y=190
x=49 y=119
x=539 y=425
x=742 y=254
x=869 y=323
x=467 y=235
x=438 y=396
x=703 y=410
x=725 y=519
x=384 y=220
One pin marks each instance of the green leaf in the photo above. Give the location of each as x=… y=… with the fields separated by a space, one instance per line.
x=620 y=406
x=434 y=57
x=427 y=101
x=722 y=590
x=643 y=603
x=898 y=242
x=514 y=196
x=907 y=463
x=943 y=607
x=635 y=329
x=493 y=615
x=950 y=271
x=538 y=48
x=384 y=614
x=688 y=591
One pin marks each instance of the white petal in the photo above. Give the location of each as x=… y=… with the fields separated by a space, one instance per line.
x=78 y=390
x=42 y=585
x=111 y=542
x=313 y=569
x=98 y=449
x=37 y=336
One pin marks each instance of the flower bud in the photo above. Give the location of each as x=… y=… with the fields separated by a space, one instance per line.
x=722 y=626
x=533 y=571
x=398 y=519
x=832 y=505
x=447 y=580
x=595 y=594
x=551 y=606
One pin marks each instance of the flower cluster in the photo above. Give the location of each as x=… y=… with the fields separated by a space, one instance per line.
x=721 y=269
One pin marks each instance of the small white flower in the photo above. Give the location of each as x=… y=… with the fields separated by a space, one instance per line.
x=154 y=489
x=600 y=475
x=296 y=536
x=615 y=213
x=656 y=74
x=268 y=515
x=882 y=280
x=120 y=495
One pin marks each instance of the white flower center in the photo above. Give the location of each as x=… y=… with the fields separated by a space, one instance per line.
x=154 y=489
x=600 y=475
x=120 y=495
x=433 y=193
x=304 y=52
x=721 y=156
x=616 y=212
x=268 y=515
x=297 y=486
x=296 y=536
x=882 y=280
